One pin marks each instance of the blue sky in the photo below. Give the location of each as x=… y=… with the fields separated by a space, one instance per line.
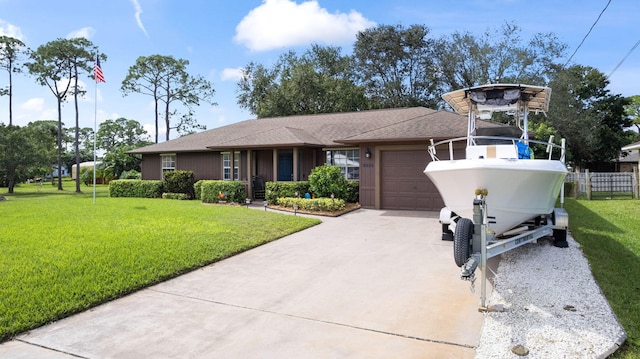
x=218 y=37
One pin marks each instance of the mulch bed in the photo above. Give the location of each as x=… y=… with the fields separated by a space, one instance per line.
x=347 y=208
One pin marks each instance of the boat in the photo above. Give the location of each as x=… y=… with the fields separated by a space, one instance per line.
x=495 y=160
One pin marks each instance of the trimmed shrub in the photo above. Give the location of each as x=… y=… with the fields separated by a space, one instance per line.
x=353 y=191
x=132 y=174
x=180 y=196
x=215 y=191
x=327 y=179
x=317 y=204
x=86 y=176
x=179 y=182
x=136 y=188
x=275 y=190
x=103 y=176
x=197 y=188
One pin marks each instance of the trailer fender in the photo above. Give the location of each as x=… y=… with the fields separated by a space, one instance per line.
x=560 y=218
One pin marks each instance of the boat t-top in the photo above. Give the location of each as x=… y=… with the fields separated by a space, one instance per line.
x=497 y=195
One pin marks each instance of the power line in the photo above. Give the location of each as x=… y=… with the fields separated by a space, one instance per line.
x=587 y=35
x=624 y=58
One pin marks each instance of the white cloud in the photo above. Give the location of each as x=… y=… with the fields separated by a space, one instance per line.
x=283 y=23
x=138 y=8
x=33 y=104
x=151 y=131
x=82 y=87
x=86 y=32
x=232 y=74
x=49 y=114
x=8 y=29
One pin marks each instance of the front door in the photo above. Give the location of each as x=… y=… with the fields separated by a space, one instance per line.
x=285 y=166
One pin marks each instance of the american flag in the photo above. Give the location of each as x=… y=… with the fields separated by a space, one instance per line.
x=97 y=71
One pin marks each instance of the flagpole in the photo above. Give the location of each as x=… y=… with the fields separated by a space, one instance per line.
x=95 y=133
x=98 y=76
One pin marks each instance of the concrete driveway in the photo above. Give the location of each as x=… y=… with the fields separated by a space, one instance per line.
x=368 y=284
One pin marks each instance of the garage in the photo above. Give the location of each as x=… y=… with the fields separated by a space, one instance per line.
x=403 y=185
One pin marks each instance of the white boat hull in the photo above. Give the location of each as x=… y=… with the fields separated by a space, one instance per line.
x=518 y=190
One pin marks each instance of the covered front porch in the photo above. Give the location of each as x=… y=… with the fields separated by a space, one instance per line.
x=256 y=166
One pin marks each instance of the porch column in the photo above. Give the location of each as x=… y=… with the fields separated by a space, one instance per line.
x=295 y=164
x=232 y=157
x=275 y=165
x=249 y=174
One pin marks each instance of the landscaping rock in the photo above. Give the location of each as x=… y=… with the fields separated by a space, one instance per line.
x=520 y=350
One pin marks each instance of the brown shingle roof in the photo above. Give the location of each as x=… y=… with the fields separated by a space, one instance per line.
x=436 y=125
x=327 y=130
x=281 y=136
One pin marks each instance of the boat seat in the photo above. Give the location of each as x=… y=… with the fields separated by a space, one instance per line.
x=508 y=132
x=492 y=151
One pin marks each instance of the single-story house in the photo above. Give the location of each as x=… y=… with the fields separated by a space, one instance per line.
x=628 y=161
x=83 y=165
x=385 y=150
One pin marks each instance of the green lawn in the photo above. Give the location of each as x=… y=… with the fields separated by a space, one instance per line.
x=62 y=254
x=609 y=232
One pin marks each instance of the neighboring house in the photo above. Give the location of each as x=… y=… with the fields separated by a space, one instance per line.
x=629 y=163
x=54 y=173
x=385 y=150
x=83 y=165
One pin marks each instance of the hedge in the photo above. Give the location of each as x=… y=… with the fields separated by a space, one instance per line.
x=136 y=188
x=353 y=191
x=216 y=191
x=172 y=195
x=275 y=190
x=179 y=182
x=317 y=204
x=197 y=188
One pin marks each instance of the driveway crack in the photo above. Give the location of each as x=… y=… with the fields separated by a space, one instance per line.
x=444 y=342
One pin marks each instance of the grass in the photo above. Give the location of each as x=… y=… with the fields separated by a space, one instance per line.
x=611 y=195
x=62 y=254
x=609 y=234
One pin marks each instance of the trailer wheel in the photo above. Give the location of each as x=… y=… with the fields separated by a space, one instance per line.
x=462 y=241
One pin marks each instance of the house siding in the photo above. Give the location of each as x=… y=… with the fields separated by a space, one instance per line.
x=205 y=165
x=309 y=159
x=264 y=164
x=367 y=177
x=151 y=167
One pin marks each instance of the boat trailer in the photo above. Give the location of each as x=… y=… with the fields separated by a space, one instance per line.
x=475 y=242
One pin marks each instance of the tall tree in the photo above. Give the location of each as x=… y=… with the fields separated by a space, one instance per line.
x=498 y=55
x=51 y=64
x=11 y=50
x=166 y=80
x=85 y=146
x=120 y=132
x=321 y=80
x=583 y=111
x=24 y=151
x=633 y=111
x=81 y=57
x=397 y=66
x=117 y=137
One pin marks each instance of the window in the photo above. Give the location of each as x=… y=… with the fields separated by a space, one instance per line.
x=226 y=166
x=168 y=163
x=347 y=160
